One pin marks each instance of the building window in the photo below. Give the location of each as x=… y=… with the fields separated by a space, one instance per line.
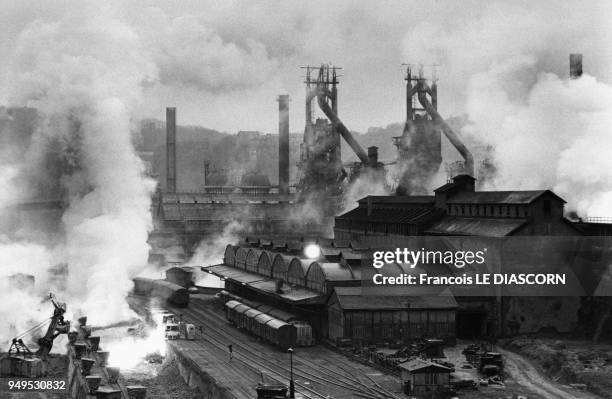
x=431 y=379
x=547 y=207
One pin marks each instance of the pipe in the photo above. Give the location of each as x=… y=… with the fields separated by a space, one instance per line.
x=171 y=150
x=373 y=155
x=448 y=132
x=308 y=136
x=283 y=144
x=348 y=137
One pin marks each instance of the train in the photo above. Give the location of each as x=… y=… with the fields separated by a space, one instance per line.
x=276 y=326
x=167 y=291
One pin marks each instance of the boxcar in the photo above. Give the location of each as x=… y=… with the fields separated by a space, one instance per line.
x=162 y=289
x=260 y=324
x=280 y=333
x=182 y=276
x=250 y=323
x=229 y=310
x=240 y=318
x=303 y=333
x=282 y=315
x=142 y=286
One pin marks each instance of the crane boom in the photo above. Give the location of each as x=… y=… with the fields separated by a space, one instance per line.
x=56 y=327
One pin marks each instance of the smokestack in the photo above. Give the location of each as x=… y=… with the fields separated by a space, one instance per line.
x=283 y=143
x=373 y=155
x=171 y=150
x=575 y=66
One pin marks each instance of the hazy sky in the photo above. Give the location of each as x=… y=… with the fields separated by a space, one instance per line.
x=223 y=63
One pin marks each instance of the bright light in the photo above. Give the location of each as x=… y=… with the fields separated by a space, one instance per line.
x=312 y=251
x=128 y=352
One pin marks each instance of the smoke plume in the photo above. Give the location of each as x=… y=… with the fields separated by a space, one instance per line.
x=546 y=130
x=84 y=77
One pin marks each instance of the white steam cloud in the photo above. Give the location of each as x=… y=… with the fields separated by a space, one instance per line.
x=84 y=77
x=510 y=65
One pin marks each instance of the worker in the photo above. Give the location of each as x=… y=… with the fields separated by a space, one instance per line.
x=231 y=352
x=201 y=331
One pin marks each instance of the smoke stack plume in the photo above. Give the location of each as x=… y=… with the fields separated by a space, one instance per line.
x=575 y=66
x=283 y=143
x=171 y=150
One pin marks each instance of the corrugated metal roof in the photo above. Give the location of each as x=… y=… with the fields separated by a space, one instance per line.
x=499 y=197
x=263 y=318
x=351 y=298
x=398 y=199
x=466 y=226
x=276 y=324
x=390 y=215
x=336 y=272
x=419 y=364
x=267 y=285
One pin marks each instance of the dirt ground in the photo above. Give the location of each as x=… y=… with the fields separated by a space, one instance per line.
x=570 y=361
x=162 y=380
x=522 y=376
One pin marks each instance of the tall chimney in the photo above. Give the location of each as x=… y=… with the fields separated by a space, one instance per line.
x=171 y=150
x=373 y=155
x=575 y=66
x=283 y=143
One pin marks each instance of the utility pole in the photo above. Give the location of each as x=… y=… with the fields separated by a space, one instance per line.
x=291 y=384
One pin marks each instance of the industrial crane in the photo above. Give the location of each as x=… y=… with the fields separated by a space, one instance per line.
x=57 y=326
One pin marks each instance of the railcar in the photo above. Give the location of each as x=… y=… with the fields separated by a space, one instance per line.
x=166 y=291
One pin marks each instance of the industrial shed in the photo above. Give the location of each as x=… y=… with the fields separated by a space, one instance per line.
x=422 y=377
x=385 y=318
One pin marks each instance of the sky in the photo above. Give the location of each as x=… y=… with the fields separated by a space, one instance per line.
x=223 y=63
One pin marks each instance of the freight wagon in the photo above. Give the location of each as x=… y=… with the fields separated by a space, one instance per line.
x=303 y=329
x=168 y=292
x=262 y=325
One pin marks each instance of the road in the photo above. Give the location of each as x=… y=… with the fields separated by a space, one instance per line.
x=527 y=375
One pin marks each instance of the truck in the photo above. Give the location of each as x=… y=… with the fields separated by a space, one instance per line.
x=172 y=331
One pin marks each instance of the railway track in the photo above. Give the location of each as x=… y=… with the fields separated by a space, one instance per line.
x=220 y=342
x=303 y=368
x=346 y=374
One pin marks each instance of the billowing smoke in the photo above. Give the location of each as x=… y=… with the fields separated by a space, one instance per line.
x=369 y=182
x=556 y=137
x=546 y=130
x=84 y=77
x=210 y=250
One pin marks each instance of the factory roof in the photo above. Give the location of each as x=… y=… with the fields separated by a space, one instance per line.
x=338 y=272
x=499 y=197
x=407 y=215
x=352 y=298
x=266 y=285
x=459 y=181
x=398 y=199
x=470 y=226
x=420 y=364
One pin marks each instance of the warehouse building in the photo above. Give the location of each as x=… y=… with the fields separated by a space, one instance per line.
x=457 y=209
x=326 y=291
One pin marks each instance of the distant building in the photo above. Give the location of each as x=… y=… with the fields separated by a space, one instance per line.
x=456 y=209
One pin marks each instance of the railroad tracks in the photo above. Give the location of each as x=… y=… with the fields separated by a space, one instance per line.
x=220 y=334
